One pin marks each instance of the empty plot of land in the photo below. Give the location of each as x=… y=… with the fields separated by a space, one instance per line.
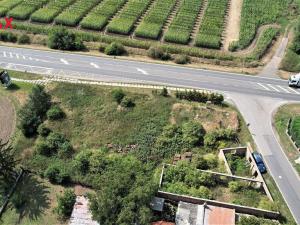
x=233 y=24
x=7 y=118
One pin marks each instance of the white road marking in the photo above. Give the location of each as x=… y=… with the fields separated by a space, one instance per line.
x=270 y=85
x=280 y=177
x=30 y=58
x=263 y=86
x=11 y=55
x=283 y=89
x=142 y=71
x=17 y=55
x=64 y=61
x=94 y=65
x=293 y=90
x=4 y=54
x=24 y=57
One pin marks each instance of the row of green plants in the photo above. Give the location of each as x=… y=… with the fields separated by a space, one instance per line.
x=124 y=22
x=183 y=23
x=151 y=26
x=197 y=96
x=98 y=18
x=50 y=11
x=72 y=15
x=23 y=10
x=256 y=13
x=294 y=130
x=212 y=25
x=6 y=5
x=263 y=43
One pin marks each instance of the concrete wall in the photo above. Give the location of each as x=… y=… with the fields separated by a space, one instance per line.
x=238 y=208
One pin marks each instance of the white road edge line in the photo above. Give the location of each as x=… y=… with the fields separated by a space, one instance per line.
x=4 y=54
x=263 y=86
x=142 y=71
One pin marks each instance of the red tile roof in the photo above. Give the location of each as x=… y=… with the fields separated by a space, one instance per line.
x=162 y=223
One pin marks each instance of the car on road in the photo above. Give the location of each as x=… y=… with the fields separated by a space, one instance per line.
x=259 y=162
x=294 y=80
x=5 y=79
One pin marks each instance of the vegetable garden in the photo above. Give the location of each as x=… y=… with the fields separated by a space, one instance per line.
x=99 y=16
x=73 y=14
x=124 y=22
x=152 y=24
x=182 y=25
x=50 y=11
x=211 y=29
x=6 y=5
x=26 y=8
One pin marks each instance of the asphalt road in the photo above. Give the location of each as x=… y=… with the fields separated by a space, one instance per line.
x=256 y=97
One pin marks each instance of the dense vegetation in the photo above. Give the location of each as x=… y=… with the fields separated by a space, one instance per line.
x=26 y=8
x=294 y=130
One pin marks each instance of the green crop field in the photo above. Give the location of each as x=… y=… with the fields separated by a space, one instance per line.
x=294 y=130
x=197 y=23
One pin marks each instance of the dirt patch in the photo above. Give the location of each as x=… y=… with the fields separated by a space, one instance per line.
x=211 y=117
x=7 y=118
x=233 y=23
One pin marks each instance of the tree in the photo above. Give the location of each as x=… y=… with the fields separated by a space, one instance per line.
x=65 y=204
x=8 y=164
x=115 y=49
x=55 y=113
x=60 y=38
x=193 y=133
x=118 y=95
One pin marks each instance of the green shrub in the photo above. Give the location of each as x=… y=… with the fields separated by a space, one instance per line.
x=8 y=37
x=201 y=192
x=266 y=204
x=43 y=130
x=199 y=162
x=118 y=95
x=182 y=59
x=65 y=204
x=42 y=148
x=127 y=102
x=210 y=140
x=193 y=133
x=65 y=150
x=164 y=92
x=57 y=174
x=55 y=140
x=62 y=39
x=115 y=49
x=197 y=96
x=55 y=113
x=158 y=53
x=234 y=46
x=24 y=39
x=235 y=186
x=82 y=161
x=212 y=160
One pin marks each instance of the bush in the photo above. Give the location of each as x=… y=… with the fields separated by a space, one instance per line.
x=234 y=46
x=197 y=96
x=43 y=130
x=210 y=140
x=127 y=102
x=57 y=174
x=24 y=39
x=164 y=92
x=8 y=37
x=115 y=49
x=42 y=148
x=65 y=204
x=182 y=59
x=118 y=95
x=55 y=113
x=65 y=150
x=82 y=161
x=212 y=160
x=266 y=204
x=158 y=53
x=55 y=140
x=199 y=162
x=60 y=38
x=193 y=133
x=235 y=186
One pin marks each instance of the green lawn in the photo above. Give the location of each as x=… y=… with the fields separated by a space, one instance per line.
x=281 y=122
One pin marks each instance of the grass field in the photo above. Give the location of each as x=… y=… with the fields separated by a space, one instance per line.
x=281 y=122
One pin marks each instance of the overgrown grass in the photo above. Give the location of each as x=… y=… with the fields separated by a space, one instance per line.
x=281 y=122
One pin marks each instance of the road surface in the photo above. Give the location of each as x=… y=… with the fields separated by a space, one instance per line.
x=256 y=97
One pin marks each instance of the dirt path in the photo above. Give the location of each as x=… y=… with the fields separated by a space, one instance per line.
x=232 y=31
x=7 y=118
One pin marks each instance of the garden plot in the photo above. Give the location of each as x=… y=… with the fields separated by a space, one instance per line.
x=151 y=26
x=50 y=11
x=182 y=25
x=26 y=8
x=124 y=22
x=212 y=26
x=99 y=16
x=72 y=15
x=184 y=179
x=256 y=13
x=6 y=5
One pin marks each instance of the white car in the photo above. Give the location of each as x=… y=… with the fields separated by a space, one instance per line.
x=294 y=80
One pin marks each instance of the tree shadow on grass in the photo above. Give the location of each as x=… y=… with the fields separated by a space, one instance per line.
x=32 y=194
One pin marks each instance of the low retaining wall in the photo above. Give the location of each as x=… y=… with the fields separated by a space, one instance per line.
x=238 y=208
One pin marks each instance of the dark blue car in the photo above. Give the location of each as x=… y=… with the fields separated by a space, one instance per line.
x=259 y=162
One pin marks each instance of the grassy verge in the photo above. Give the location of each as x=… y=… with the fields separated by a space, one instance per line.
x=281 y=119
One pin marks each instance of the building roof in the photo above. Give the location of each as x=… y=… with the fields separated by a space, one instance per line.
x=192 y=214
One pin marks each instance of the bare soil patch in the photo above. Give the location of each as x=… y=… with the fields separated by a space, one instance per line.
x=7 y=118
